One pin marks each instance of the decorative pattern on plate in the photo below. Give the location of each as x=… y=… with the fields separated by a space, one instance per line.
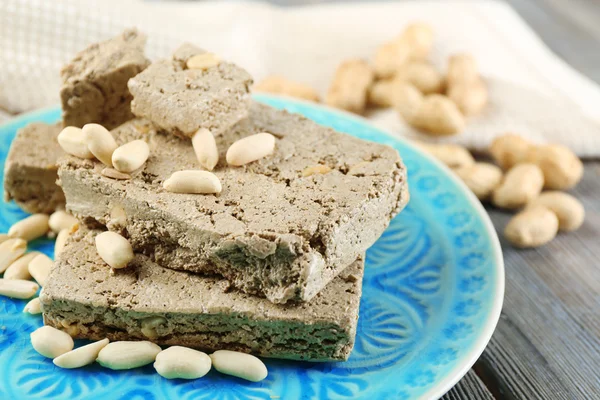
x=430 y=294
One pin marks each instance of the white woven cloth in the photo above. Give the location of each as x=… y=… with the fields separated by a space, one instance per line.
x=533 y=92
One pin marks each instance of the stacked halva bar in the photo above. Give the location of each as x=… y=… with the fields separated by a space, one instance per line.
x=272 y=264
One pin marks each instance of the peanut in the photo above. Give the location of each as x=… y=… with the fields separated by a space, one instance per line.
x=250 y=148
x=205 y=148
x=130 y=156
x=471 y=97
x=419 y=37
x=149 y=325
x=481 y=178
x=20 y=268
x=114 y=174
x=183 y=363
x=72 y=141
x=127 y=355
x=82 y=356
x=349 y=87
x=51 y=342
x=380 y=93
x=509 y=150
x=438 y=116
x=532 y=227
x=521 y=184
x=561 y=167
x=421 y=75
x=193 y=182
x=40 y=267
x=60 y=220
x=203 y=61
x=568 y=209
x=100 y=142
x=18 y=288
x=286 y=87
x=30 y=228
x=406 y=99
x=114 y=249
x=3 y=237
x=391 y=56
x=10 y=251
x=461 y=68
x=34 y=307
x=452 y=155
x=238 y=364
x=318 y=169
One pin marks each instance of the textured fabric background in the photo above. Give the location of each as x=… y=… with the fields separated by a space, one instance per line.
x=533 y=92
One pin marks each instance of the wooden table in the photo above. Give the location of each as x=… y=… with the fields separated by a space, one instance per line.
x=547 y=343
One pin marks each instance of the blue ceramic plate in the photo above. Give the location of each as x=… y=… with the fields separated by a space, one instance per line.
x=433 y=291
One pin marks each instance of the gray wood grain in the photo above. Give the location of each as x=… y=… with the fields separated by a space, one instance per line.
x=470 y=387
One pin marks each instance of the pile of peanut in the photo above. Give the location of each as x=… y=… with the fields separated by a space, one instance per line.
x=400 y=76
x=523 y=171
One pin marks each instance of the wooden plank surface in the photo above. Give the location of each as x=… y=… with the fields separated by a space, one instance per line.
x=470 y=387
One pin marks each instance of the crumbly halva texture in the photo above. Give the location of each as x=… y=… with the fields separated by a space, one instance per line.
x=147 y=302
x=271 y=231
x=95 y=82
x=30 y=172
x=182 y=100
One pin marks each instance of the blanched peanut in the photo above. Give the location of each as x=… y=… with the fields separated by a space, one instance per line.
x=509 y=150
x=205 y=148
x=203 y=61
x=72 y=141
x=40 y=267
x=127 y=355
x=250 y=148
x=471 y=97
x=532 y=227
x=100 y=142
x=406 y=99
x=183 y=363
x=421 y=75
x=568 y=209
x=242 y=365
x=82 y=356
x=391 y=56
x=193 y=182
x=318 y=169
x=18 y=288
x=130 y=156
x=419 y=37
x=60 y=220
x=286 y=87
x=380 y=93
x=521 y=184
x=438 y=116
x=481 y=178
x=30 y=228
x=561 y=167
x=51 y=342
x=114 y=174
x=20 y=268
x=461 y=68
x=349 y=87
x=34 y=307
x=10 y=251
x=114 y=249
x=454 y=156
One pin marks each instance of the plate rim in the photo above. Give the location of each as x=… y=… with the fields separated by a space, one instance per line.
x=469 y=359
